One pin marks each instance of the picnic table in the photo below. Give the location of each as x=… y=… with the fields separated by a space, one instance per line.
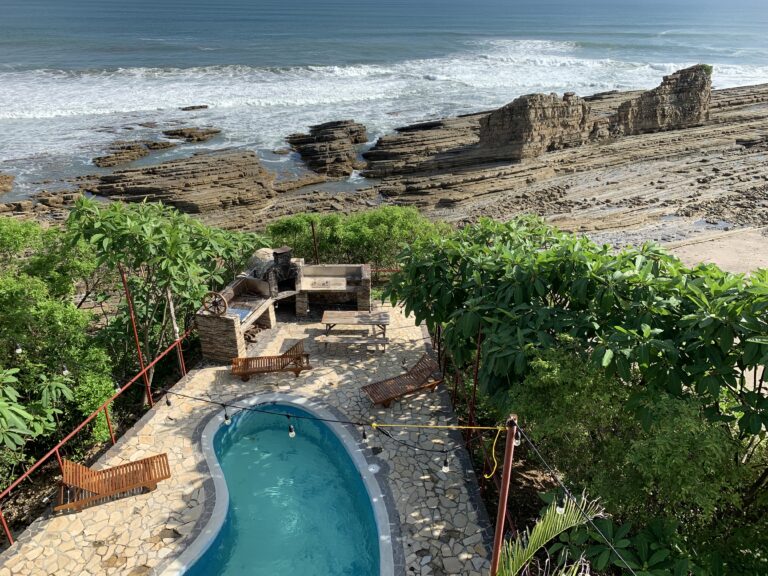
x=332 y=318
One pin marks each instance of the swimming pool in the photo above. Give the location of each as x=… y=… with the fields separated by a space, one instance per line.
x=304 y=505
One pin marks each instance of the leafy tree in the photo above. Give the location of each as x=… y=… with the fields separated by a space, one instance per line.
x=656 y=403
x=46 y=350
x=171 y=261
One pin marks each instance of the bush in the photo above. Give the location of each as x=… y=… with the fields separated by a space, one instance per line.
x=376 y=236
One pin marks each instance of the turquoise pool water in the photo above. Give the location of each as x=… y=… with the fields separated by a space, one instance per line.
x=297 y=505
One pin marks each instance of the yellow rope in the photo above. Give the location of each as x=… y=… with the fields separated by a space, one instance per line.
x=446 y=426
x=493 y=453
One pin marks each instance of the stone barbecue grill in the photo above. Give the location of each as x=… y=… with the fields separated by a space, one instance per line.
x=248 y=302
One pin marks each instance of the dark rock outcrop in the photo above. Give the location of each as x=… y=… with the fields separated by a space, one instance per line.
x=681 y=101
x=331 y=148
x=192 y=134
x=122 y=152
x=536 y=123
x=6 y=183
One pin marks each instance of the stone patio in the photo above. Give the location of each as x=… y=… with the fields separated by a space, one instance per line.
x=439 y=525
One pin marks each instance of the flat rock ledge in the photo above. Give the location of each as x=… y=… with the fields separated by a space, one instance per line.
x=192 y=134
x=122 y=152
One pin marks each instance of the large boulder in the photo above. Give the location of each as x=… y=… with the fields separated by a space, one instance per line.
x=682 y=100
x=536 y=123
x=331 y=148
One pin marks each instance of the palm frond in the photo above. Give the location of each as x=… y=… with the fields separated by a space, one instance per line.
x=518 y=553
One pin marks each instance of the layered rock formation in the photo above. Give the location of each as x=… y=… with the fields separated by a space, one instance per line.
x=536 y=123
x=331 y=148
x=681 y=101
x=210 y=185
x=6 y=183
x=192 y=134
x=122 y=152
x=229 y=189
x=43 y=207
x=689 y=175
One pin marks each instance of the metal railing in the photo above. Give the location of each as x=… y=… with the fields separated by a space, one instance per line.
x=55 y=451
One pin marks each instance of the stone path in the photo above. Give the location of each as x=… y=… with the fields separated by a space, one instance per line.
x=443 y=528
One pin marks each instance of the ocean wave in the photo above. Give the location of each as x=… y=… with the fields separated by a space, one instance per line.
x=78 y=112
x=492 y=71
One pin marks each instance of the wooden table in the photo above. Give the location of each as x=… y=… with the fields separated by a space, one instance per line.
x=378 y=320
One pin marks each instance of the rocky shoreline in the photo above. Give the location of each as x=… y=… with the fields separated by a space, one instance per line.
x=662 y=164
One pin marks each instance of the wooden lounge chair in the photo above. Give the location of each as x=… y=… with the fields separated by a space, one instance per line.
x=417 y=378
x=292 y=360
x=81 y=486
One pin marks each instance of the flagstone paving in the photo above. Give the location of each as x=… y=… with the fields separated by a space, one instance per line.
x=443 y=529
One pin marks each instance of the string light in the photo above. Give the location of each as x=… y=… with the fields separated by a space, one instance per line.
x=118 y=388
x=291 y=431
x=446 y=468
x=65 y=372
x=518 y=440
x=365 y=436
x=167 y=401
x=227 y=419
x=18 y=349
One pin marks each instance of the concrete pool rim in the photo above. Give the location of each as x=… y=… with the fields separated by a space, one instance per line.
x=391 y=554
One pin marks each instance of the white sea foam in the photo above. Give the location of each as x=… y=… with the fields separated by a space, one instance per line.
x=52 y=111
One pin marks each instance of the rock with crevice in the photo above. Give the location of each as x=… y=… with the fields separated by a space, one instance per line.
x=681 y=101
x=331 y=148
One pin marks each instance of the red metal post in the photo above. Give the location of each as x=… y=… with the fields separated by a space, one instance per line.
x=58 y=457
x=109 y=425
x=6 y=529
x=509 y=453
x=180 y=353
x=136 y=335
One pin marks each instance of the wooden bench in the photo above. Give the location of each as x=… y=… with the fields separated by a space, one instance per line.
x=350 y=339
x=419 y=377
x=292 y=360
x=81 y=486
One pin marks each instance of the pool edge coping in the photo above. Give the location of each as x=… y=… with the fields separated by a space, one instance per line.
x=387 y=527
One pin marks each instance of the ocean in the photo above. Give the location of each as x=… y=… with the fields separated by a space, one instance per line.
x=76 y=75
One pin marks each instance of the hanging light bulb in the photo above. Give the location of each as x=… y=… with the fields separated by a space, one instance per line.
x=446 y=468
x=560 y=508
x=291 y=431
x=365 y=436
x=518 y=438
x=167 y=401
x=227 y=419
x=118 y=388
x=65 y=372
x=18 y=349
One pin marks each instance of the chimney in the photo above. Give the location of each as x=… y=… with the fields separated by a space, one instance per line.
x=282 y=256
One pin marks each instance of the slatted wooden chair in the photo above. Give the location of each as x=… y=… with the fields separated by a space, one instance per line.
x=81 y=486
x=419 y=377
x=292 y=360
